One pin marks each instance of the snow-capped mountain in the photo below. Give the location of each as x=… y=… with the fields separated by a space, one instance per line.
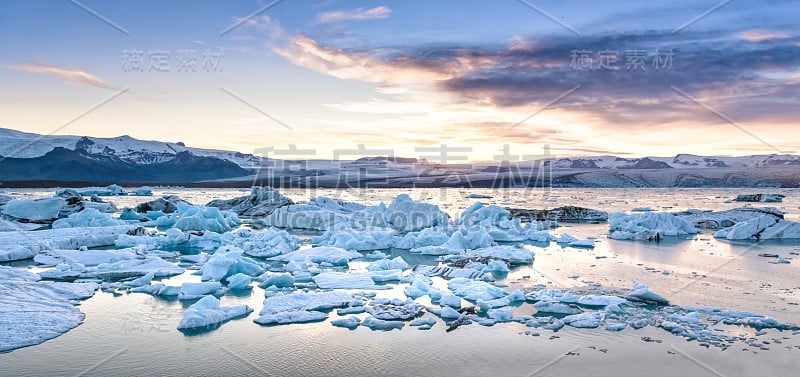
x=18 y=144
x=26 y=157
x=681 y=161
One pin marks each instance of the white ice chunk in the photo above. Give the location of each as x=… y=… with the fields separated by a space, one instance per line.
x=89 y=217
x=642 y=292
x=34 y=210
x=32 y=312
x=301 y=307
x=323 y=254
x=642 y=226
x=342 y=280
x=207 y=314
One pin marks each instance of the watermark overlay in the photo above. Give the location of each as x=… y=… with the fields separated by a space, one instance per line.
x=134 y=60
x=658 y=60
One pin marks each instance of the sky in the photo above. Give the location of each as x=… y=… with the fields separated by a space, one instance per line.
x=475 y=78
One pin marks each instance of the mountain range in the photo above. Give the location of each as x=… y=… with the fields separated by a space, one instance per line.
x=27 y=158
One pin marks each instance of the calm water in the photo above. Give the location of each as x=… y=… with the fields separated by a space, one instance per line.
x=135 y=334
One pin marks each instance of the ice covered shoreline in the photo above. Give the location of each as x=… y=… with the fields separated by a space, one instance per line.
x=475 y=249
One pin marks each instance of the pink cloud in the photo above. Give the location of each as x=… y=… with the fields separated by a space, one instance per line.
x=758 y=35
x=73 y=75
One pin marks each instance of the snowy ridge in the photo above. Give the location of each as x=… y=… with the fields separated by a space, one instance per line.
x=20 y=144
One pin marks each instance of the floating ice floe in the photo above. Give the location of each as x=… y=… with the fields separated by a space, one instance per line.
x=32 y=312
x=321 y=213
x=362 y=240
x=764 y=227
x=14 y=226
x=728 y=218
x=110 y=190
x=388 y=264
x=348 y=322
x=344 y=280
x=303 y=307
x=395 y=310
x=228 y=261
x=89 y=218
x=452 y=272
x=474 y=290
x=261 y=202
x=165 y=204
x=126 y=268
x=642 y=292
x=323 y=254
x=207 y=314
x=648 y=225
x=34 y=210
x=378 y=324
x=513 y=254
x=199 y=218
x=575 y=242
x=25 y=245
x=774 y=198
x=567 y=214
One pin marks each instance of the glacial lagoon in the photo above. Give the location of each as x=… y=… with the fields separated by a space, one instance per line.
x=127 y=333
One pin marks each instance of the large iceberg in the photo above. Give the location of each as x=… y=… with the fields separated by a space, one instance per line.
x=764 y=227
x=648 y=225
x=406 y=215
x=261 y=202
x=35 y=210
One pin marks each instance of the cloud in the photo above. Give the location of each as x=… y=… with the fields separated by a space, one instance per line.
x=758 y=35
x=72 y=75
x=354 y=14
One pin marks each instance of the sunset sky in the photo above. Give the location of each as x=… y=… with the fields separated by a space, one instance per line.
x=627 y=78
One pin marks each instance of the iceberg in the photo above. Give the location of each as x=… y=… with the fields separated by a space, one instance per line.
x=642 y=292
x=343 y=280
x=26 y=244
x=550 y=307
x=32 y=312
x=228 y=261
x=728 y=218
x=35 y=210
x=648 y=225
x=261 y=202
x=475 y=290
x=406 y=215
x=320 y=213
x=378 y=324
x=207 y=314
x=165 y=204
x=361 y=240
x=192 y=291
x=13 y=226
x=396 y=310
x=388 y=264
x=88 y=218
x=423 y=323
x=351 y=322
x=322 y=254
x=301 y=307
x=452 y=272
x=514 y=254
x=764 y=227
